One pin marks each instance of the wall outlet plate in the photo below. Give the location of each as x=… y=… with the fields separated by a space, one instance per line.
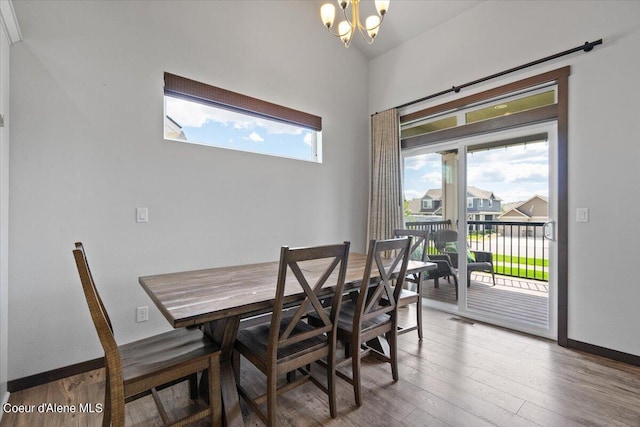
x=142 y=314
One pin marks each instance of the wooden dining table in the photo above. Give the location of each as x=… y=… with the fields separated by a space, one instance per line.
x=217 y=299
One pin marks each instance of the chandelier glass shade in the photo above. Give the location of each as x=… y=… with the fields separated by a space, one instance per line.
x=368 y=30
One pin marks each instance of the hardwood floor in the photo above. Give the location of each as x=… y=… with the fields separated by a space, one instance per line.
x=462 y=374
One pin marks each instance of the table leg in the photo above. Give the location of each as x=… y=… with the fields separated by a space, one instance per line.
x=223 y=332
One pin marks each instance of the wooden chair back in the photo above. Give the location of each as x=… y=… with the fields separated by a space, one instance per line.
x=382 y=297
x=418 y=250
x=328 y=286
x=80 y=247
x=419 y=242
x=102 y=323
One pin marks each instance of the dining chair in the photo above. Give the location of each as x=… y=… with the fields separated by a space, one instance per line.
x=289 y=344
x=140 y=368
x=375 y=310
x=418 y=251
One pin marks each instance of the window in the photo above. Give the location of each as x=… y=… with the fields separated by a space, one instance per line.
x=202 y=114
x=427 y=204
x=480 y=203
x=469 y=202
x=490 y=203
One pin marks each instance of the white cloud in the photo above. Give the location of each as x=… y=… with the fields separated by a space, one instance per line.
x=308 y=138
x=413 y=194
x=255 y=137
x=523 y=163
x=193 y=114
x=433 y=179
x=416 y=162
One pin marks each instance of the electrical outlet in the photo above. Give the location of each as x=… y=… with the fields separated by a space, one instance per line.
x=142 y=314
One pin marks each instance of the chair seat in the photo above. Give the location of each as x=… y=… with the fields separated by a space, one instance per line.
x=255 y=340
x=144 y=358
x=407 y=297
x=479 y=266
x=346 y=318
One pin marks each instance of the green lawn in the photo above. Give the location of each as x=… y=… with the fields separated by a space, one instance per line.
x=527 y=268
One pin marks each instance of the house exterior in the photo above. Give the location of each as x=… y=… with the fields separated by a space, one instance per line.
x=532 y=210
x=482 y=205
x=429 y=204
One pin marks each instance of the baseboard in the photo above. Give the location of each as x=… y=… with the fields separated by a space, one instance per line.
x=619 y=356
x=90 y=365
x=54 y=375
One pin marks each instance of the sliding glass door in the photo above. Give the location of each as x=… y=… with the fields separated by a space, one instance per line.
x=489 y=205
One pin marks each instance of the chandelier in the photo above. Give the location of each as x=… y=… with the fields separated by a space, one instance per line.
x=346 y=28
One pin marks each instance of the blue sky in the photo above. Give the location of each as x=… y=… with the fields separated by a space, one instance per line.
x=207 y=125
x=513 y=174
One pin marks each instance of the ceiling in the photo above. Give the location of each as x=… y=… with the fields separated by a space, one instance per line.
x=405 y=20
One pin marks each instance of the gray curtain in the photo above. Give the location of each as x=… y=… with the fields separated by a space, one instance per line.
x=385 y=203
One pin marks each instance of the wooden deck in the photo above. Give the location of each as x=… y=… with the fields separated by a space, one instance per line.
x=520 y=300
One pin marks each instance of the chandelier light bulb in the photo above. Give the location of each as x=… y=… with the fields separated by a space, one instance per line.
x=328 y=14
x=352 y=23
x=345 y=31
x=382 y=6
x=373 y=24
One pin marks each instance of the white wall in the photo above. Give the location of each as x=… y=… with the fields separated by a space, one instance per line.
x=604 y=130
x=87 y=149
x=4 y=213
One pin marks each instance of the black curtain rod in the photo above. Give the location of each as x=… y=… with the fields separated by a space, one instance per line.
x=587 y=47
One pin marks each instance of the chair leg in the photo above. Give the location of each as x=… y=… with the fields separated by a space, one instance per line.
x=455 y=281
x=419 y=316
x=331 y=383
x=355 y=367
x=271 y=400
x=392 y=338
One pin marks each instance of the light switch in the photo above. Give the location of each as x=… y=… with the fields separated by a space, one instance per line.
x=142 y=214
x=582 y=214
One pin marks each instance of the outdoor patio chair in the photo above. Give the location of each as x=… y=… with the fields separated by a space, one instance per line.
x=446 y=242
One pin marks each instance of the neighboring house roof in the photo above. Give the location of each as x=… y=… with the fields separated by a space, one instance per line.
x=173 y=130
x=415 y=205
x=481 y=194
x=536 y=206
x=436 y=194
x=433 y=193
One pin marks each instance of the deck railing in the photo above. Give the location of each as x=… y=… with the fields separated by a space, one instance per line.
x=519 y=249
